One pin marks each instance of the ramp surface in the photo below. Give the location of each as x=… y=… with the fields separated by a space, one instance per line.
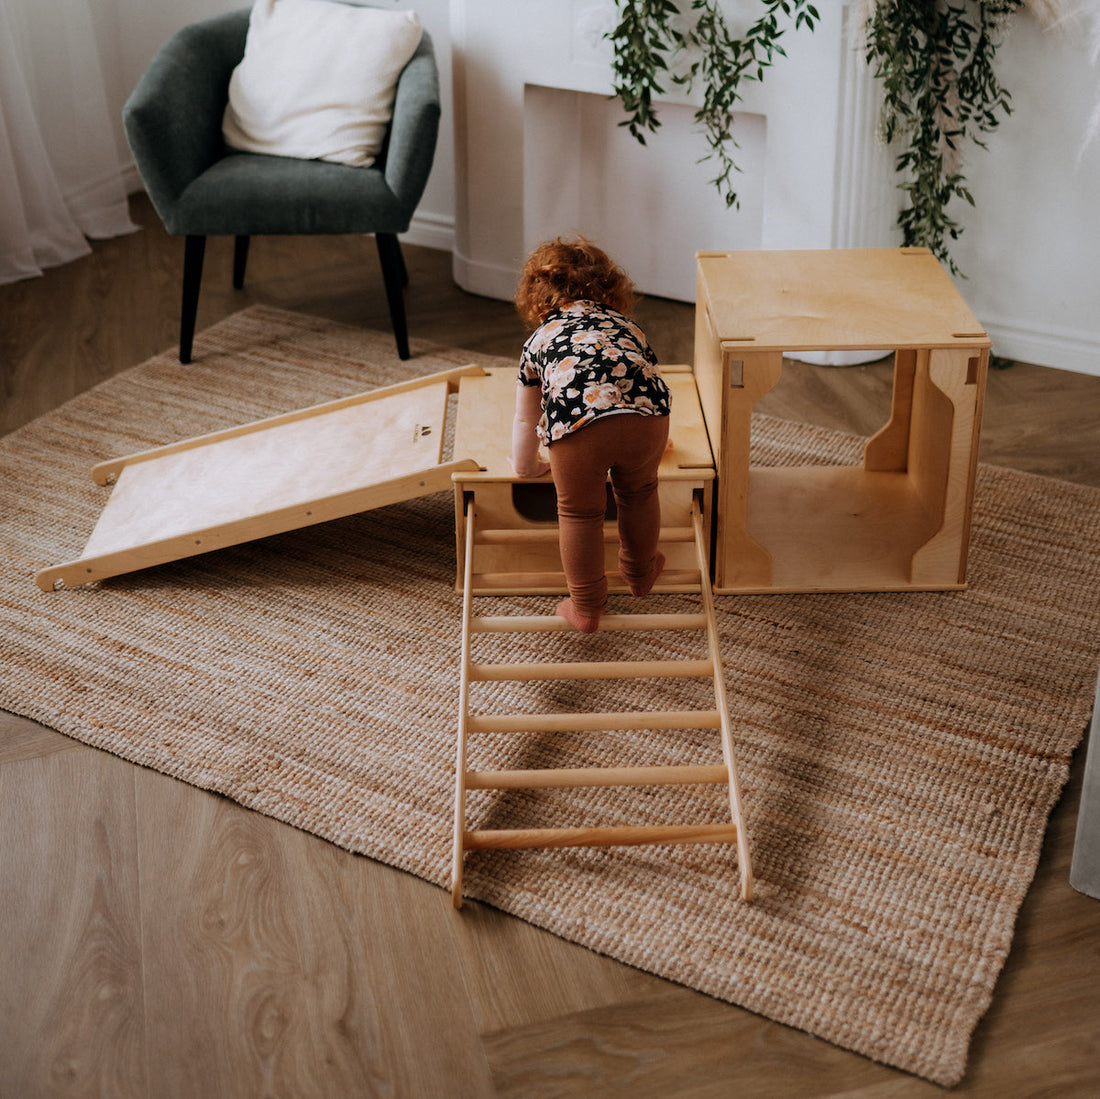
x=267 y=477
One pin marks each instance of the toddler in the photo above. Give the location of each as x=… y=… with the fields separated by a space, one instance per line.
x=589 y=388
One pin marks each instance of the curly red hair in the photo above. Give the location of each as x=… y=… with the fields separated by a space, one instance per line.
x=559 y=272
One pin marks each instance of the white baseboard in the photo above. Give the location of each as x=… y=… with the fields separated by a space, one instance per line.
x=488 y=280
x=1061 y=348
x=431 y=231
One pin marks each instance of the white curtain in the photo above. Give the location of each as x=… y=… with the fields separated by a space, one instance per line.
x=60 y=180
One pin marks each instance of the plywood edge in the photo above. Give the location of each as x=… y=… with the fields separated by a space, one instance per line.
x=977 y=341
x=105 y=472
x=834 y=589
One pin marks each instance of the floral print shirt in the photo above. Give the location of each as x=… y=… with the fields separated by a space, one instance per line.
x=591 y=361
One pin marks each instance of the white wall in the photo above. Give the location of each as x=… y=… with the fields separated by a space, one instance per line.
x=1029 y=249
x=541 y=151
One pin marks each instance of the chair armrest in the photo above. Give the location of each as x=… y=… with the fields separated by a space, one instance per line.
x=415 y=126
x=173 y=118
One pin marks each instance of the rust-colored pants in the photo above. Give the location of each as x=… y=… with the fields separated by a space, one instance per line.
x=629 y=446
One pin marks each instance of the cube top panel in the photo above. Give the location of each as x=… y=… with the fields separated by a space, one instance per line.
x=835 y=299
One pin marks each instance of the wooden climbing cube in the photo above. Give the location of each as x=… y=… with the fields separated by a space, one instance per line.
x=901 y=520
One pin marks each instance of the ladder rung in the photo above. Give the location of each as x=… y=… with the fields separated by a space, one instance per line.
x=553 y=583
x=591 y=669
x=549 y=535
x=560 y=723
x=538 y=623
x=621 y=835
x=551 y=778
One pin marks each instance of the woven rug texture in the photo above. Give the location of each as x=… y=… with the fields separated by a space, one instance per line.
x=899 y=753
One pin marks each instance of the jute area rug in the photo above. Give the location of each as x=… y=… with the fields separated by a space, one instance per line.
x=900 y=753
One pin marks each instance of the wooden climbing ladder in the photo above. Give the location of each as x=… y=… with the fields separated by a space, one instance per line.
x=470 y=724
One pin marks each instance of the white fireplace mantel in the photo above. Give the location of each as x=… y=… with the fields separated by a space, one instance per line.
x=538 y=150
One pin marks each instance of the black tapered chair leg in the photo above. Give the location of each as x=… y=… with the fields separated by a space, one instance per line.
x=240 y=261
x=395 y=276
x=404 y=269
x=193 y=252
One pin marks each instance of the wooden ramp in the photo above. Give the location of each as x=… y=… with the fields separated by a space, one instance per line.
x=472 y=725
x=268 y=477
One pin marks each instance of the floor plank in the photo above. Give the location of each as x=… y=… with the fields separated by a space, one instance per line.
x=21 y=738
x=71 y=1012
x=288 y=973
x=520 y=976
x=677 y=1043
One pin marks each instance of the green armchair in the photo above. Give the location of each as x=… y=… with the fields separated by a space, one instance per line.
x=201 y=188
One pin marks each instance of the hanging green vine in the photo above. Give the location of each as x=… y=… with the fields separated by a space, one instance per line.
x=645 y=35
x=935 y=61
x=650 y=33
x=934 y=58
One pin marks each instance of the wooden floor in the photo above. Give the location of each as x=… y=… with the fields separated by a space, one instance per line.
x=159 y=941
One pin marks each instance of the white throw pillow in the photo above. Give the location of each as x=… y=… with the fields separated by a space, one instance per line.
x=317 y=80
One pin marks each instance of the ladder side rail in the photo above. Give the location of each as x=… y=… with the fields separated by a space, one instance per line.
x=463 y=712
x=743 y=854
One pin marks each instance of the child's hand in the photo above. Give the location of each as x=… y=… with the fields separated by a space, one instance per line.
x=525 y=458
x=539 y=469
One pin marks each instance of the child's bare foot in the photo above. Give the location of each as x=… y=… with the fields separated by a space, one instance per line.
x=644 y=587
x=583 y=622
